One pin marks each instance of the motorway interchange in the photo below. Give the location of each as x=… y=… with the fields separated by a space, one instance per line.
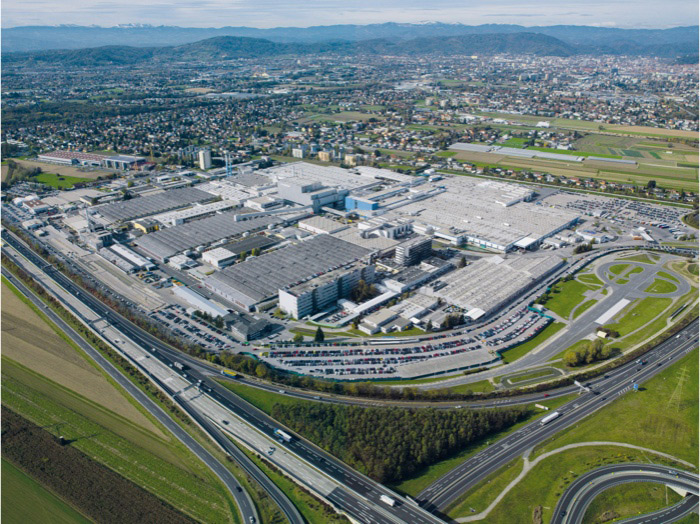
x=355 y=494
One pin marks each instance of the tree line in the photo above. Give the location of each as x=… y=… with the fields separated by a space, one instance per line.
x=392 y=444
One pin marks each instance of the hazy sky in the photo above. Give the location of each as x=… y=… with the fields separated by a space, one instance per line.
x=274 y=13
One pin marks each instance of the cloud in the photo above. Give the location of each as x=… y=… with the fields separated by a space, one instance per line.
x=286 y=13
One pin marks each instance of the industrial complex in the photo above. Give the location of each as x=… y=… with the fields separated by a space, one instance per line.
x=362 y=249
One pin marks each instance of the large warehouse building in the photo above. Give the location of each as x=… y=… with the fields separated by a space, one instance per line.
x=165 y=243
x=484 y=286
x=259 y=279
x=488 y=214
x=139 y=207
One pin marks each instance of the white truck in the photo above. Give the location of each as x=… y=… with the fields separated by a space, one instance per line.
x=283 y=436
x=549 y=418
x=387 y=500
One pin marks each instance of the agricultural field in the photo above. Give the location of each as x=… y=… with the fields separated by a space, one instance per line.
x=48 y=381
x=673 y=165
x=25 y=500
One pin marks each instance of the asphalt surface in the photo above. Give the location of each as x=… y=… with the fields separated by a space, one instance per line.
x=448 y=488
x=243 y=500
x=361 y=500
x=572 y=506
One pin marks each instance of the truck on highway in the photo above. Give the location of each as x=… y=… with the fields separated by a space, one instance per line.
x=231 y=374
x=549 y=418
x=179 y=365
x=286 y=437
x=387 y=500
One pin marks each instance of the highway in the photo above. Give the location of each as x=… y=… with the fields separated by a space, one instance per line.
x=572 y=506
x=243 y=500
x=361 y=500
x=448 y=488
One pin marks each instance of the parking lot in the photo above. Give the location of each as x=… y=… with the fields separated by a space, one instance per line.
x=193 y=330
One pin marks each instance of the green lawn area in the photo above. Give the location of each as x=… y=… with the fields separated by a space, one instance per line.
x=25 y=500
x=647 y=418
x=446 y=154
x=661 y=286
x=565 y=296
x=515 y=142
x=650 y=417
x=630 y=500
x=667 y=275
x=260 y=398
x=515 y=353
x=693 y=269
x=59 y=181
x=590 y=278
x=639 y=314
x=525 y=377
x=482 y=386
x=583 y=307
x=645 y=258
x=622 y=281
x=634 y=271
x=618 y=269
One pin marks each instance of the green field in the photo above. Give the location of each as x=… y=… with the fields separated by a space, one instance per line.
x=590 y=278
x=59 y=181
x=645 y=258
x=618 y=269
x=25 y=500
x=630 y=500
x=662 y=416
x=565 y=296
x=583 y=308
x=523 y=349
x=107 y=425
x=640 y=313
x=661 y=286
x=667 y=276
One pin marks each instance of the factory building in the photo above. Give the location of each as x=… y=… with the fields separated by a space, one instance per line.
x=321 y=225
x=312 y=194
x=413 y=251
x=485 y=285
x=200 y=234
x=144 y=206
x=68 y=158
x=254 y=281
x=320 y=293
x=122 y=162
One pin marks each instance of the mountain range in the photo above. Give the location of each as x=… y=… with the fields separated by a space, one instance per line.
x=648 y=41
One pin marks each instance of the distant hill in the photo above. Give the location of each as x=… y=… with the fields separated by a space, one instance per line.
x=230 y=47
x=37 y=38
